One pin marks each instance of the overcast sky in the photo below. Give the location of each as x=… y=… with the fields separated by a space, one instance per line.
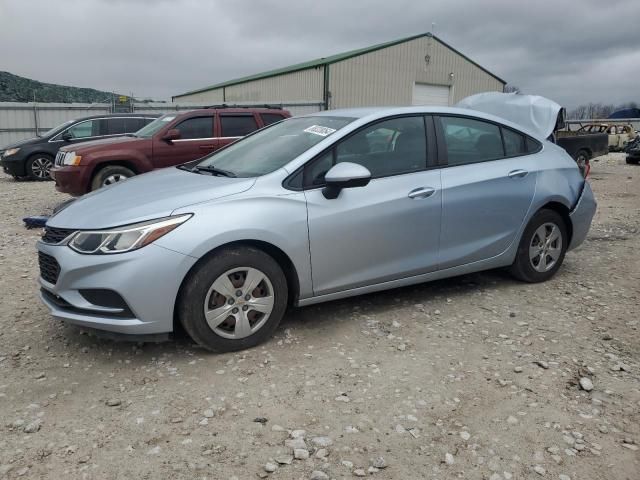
x=571 y=51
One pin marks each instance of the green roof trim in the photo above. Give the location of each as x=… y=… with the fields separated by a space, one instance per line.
x=320 y=62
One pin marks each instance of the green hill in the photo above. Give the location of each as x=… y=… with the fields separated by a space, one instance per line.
x=19 y=89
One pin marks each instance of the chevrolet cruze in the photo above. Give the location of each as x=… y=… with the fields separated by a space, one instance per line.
x=312 y=209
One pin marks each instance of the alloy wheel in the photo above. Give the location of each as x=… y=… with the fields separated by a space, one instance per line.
x=41 y=167
x=115 y=178
x=545 y=247
x=239 y=302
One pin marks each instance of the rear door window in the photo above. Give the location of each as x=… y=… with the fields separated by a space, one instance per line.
x=116 y=126
x=471 y=141
x=196 y=127
x=237 y=125
x=134 y=124
x=269 y=118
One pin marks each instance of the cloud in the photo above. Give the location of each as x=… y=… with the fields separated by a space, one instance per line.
x=573 y=52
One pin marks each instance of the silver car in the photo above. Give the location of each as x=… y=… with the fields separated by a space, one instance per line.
x=308 y=210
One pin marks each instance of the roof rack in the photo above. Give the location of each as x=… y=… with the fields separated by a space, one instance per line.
x=227 y=105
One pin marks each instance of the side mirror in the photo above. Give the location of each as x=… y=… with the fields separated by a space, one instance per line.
x=344 y=175
x=66 y=136
x=171 y=135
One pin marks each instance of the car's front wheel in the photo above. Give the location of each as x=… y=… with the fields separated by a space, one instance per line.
x=39 y=166
x=110 y=175
x=233 y=300
x=542 y=247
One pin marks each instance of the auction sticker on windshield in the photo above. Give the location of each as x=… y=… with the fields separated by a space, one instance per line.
x=320 y=130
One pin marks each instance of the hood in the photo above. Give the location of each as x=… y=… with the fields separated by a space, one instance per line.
x=94 y=145
x=537 y=114
x=145 y=197
x=19 y=143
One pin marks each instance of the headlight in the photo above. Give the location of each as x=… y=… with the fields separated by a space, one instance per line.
x=11 y=151
x=70 y=158
x=124 y=239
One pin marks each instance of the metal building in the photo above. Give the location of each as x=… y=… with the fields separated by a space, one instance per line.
x=416 y=70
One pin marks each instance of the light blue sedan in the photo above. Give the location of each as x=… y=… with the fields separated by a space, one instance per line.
x=308 y=210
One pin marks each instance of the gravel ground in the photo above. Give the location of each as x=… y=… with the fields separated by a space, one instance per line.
x=476 y=377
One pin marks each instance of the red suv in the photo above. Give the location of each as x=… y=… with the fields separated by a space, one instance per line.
x=172 y=139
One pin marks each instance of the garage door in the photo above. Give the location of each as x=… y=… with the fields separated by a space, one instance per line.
x=425 y=94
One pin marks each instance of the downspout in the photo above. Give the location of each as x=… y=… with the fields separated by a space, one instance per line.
x=224 y=94
x=325 y=93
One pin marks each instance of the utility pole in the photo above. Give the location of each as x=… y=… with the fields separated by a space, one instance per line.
x=35 y=113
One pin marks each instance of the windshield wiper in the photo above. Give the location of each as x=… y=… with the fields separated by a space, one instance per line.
x=215 y=171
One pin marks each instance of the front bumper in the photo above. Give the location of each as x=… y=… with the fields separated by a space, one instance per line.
x=582 y=215
x=73 y=180
x=147 y=279
x=14 y=165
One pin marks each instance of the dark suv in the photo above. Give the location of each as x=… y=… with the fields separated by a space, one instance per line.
x=33 y=157
x=172 y=139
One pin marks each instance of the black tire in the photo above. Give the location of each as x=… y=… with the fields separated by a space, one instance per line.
x=103 y=177
x=632 y=161
x=522 y=267
x=194 y=292
x=38 y=166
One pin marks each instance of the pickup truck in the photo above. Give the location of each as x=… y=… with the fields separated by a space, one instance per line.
x=583 y=146
x=173 y=139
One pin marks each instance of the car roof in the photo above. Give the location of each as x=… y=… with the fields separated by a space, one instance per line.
x=232 y=110
x=373 y=113
x=117 y=115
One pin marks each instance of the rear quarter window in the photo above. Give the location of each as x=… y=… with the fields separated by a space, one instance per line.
x=514 y=142
x=532 y=145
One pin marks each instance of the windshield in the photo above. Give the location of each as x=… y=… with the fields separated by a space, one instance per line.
x=148 y=130
x=54 y=130
x=273 y=147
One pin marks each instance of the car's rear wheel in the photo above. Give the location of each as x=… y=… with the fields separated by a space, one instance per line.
x=110 y=175
x=39 y=166
x=233 y=299
x=632 y=160
x=542 y=247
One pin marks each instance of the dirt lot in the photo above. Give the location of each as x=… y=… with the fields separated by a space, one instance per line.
x=474 y=377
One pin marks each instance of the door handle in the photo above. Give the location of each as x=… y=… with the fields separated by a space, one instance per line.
x=421 y=192
x=518 y=173
x=206 y=147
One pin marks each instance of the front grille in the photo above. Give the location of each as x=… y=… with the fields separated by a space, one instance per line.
x=59 y=158
x=55 y=235
x=49 y=268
